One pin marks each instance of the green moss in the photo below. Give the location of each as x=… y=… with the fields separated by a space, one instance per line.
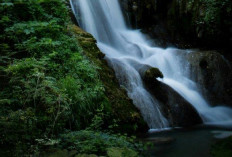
x=123 y=111
x=151 y=74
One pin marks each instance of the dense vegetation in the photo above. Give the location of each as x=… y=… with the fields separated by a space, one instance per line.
x=207 y=20
x=49 y=87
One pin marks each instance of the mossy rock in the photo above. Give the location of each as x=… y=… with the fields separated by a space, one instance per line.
x=121 y=152
x=128 y=117
x=153 y=73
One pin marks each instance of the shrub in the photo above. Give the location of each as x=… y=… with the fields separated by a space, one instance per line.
x=90 y=142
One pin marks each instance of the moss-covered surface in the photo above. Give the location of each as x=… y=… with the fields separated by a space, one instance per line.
x=152 y=73
x=123 y=110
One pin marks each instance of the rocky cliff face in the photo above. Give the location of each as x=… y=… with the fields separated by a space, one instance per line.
x=183 y=23
x=187 y=24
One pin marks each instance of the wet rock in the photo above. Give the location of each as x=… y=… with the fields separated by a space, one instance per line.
x=213 y=75
x=175 y=108
x=179 y=111
x=151 y=74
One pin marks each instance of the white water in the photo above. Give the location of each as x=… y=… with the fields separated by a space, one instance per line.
x=127 y=51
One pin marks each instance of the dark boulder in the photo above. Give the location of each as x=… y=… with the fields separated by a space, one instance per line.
x=179 y=111
x=175 y=108
x=213 y=74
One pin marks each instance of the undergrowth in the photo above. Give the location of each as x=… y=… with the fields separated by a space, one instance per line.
x=47 y=85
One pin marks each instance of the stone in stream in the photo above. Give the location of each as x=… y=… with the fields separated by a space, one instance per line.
x=151 y=74
x=175 y=108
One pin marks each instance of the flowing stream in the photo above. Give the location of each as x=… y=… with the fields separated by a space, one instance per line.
x=128 y=50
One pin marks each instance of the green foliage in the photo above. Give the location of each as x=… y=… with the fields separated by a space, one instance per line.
x=201 y=22
x=48 y=86
x=210 y=16
x=215 y=15
x=121 y=152
x=91 y=142
x=46 y=83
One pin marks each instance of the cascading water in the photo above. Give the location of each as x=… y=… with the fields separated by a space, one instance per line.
x=127 y=50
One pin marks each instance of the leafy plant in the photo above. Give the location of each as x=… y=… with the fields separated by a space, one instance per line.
x=47 y=85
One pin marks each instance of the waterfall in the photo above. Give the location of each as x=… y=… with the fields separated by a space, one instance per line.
x=126 y=50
